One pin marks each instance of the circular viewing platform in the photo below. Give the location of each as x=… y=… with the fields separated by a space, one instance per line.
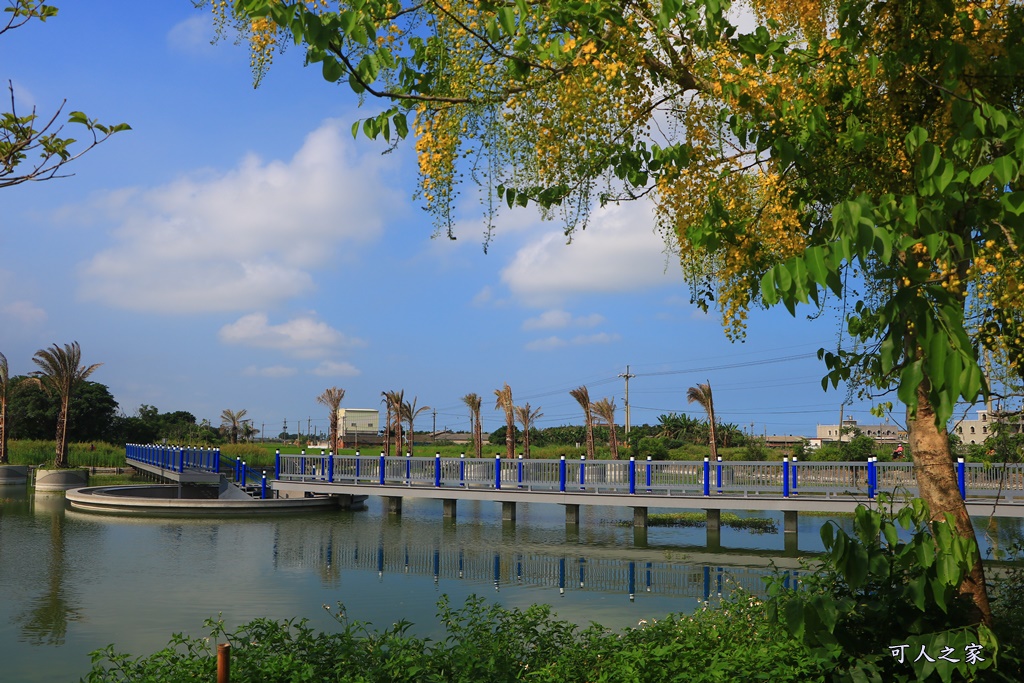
x=172 y=501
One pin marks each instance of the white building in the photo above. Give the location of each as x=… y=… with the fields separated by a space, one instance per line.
x=357 y=423
x=980 y=428
x=881 y=433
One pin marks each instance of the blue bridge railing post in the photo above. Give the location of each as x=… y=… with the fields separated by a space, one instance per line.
x=871 y=477
x=707 y=476
x=437 y=470
x=302 y=463
x=561 y=473
x=357 y=466
x=718 y=475
x=263 y=487
x=583 y=465
x=785 y=477
x=181 y=459
x=383 y=467
x=462 y=469
x=648 y=474
x=330 y=467
x=961 y=477
x=408 y=466
x=520 y=471
x=497 y=471
x=793 y=470
x=632 y=475
x=245 y=475
x=238 y=469
x=277 y=464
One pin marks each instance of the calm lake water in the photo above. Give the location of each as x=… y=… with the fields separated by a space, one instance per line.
x=75 y=582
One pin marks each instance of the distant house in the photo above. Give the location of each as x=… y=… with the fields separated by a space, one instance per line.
x=881 y=433
x=783 y=441
x=358 y=424
x=979 y=429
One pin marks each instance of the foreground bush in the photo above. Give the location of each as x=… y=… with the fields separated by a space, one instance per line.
x=881 y=605
x=484 y=644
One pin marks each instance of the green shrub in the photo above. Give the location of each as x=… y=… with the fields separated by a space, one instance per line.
x=651 y=447
x=893 y=583
x=486 y=643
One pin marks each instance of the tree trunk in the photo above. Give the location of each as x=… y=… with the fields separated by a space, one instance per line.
x=510 y=436
x=613 y=441
x=590 y=435
x=3 y=430
x=478 y=436
x=60 y=459
x=937 y=482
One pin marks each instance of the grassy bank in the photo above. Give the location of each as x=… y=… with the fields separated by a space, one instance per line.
x=88 y=454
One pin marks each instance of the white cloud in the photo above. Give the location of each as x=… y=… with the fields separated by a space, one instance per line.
x=619 y=252
x=556 y=342
x=192 y=36
x=329 y=368
x=557 y=319
x=546 y=344
x=484 y=296
x=255 y=234
x=272 y=372
x=304 y=336
x=23 y=314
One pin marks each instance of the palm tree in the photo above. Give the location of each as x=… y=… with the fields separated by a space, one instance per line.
x=60 y=373
x=504 y=396
x=394 y=400
x=473 y=402
x=332 y=399
x=701 y=394
x=527 y=418
x=582 y=397
x=409 y=413
x=386 y=400
x=5 y=381
x=231 y=422
x=605 y=411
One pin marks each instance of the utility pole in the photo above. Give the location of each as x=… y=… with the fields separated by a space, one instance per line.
x=434 y=431
x=625 y=375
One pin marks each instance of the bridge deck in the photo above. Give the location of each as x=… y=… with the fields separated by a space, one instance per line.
x=189 y=476
x=795 y=503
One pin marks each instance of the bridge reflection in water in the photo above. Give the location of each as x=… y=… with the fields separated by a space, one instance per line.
x=420 y=548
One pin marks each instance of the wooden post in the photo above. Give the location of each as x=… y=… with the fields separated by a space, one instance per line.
x=224 y=663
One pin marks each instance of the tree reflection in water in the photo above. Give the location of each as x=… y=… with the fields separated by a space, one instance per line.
x=46 y=621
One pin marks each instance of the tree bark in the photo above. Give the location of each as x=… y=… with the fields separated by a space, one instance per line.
x=937 y=483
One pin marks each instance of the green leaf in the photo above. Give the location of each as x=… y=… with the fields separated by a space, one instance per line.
x=1013 y=202
x=507 y=17
x=981 y=174
x=915 y=138
x=910 y=380
x=1005 y=169
x=333 y=69
x=401 y=124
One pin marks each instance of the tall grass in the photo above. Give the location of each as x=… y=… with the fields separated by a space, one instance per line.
x=87 y=454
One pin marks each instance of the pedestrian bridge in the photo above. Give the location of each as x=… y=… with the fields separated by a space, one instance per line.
x=790 y=486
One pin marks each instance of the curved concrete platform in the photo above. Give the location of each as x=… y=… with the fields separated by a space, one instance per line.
x=13 y=474
x=162 y=500
x=60 y=480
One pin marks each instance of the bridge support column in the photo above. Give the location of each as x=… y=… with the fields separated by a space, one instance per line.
x=640 y=517
x=572 y=515
x=714 y=528
x=508 y=511
x=394 y=505
x=789 y=525
x=449 y=507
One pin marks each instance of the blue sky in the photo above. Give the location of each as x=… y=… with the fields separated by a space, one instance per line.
x=238 y=249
